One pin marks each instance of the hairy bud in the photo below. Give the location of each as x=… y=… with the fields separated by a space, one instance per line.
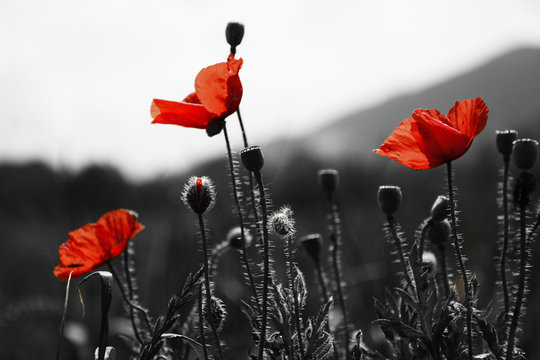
x=199 y=194
x=282 y=222
x=234 y=237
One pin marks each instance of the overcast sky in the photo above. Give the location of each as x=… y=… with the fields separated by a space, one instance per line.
x=77 y=77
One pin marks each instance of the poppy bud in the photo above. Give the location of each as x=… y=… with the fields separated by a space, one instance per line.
x=439 y=233
x=389 y=199
x=312 y=243
x=505 y=139
x=218 y=313
x=525 y=152
x=329 y=180
x=234 y=238
x=282 y=222
x=439 y=210
x=199 y=194
x=234 y=34
x=252 y=158
x=429 y=262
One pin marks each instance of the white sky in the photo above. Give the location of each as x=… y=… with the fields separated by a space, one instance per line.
x=77 y=77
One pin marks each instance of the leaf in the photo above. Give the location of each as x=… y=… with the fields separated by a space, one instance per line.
x=402 y=329
x=195 y=346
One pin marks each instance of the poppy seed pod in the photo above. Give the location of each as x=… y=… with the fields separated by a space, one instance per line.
x=525 y=152
x=199 y=194
x=505 y=140
x=390 y=198
x=234 y=33
x=282 y=222
x=439 y=233
x=234 y=238
x=252 y=158
x=329 y=180
x=439 y=210
x=312 y=243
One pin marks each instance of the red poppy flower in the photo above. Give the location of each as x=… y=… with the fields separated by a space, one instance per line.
x=218 y=92
x=430 y=138
x=93 y=244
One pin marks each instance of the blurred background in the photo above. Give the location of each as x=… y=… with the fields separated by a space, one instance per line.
x=323 y=86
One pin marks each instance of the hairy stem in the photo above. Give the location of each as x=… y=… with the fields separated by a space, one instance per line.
x=423 y=235
x=207 y=285
x=295 y=297
x=266 y=265
x=240 y=216
x=444 y=271
x=201 y=323
x=505 y=238
x=404 y=261
x=461 y=262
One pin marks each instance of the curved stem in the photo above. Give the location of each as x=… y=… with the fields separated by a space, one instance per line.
x=266 y=265
x=240 y=216
x=201 y=323
x=295 y=297
x=334 y=237
x=521 y=280
x=64 y=315
x=403 y=260
x=207 y=285
x=461 y=262
x=505 y=238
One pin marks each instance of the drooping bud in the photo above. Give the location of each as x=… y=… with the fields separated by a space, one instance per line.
x=252 y=158
x=218 y=313
x=390 y=198
x=234 y=238
x=199 y=194
x=439 y=233
x=312 y=243
x=234 y=33
x=282 y=222
x=429 y=262
x=329 y=180
x=525 y=152
x=439 y=210
x=505 y=140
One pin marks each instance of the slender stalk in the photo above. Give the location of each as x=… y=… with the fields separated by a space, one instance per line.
x=320 y=278
x=505 y=237
x=521 y=280
x=64 y=314
x=461 y=262
x=295 y=297
x=129 y=281
x=266 y=265
x=240 y=216
x=207 y=285
x=423 y=235
x=444 y=271
x=334 y=237
x=201 y=323
x=404 y=261
x=131 y=305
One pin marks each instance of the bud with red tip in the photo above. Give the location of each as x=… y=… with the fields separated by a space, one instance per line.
x=390 y=198
x=199 y=194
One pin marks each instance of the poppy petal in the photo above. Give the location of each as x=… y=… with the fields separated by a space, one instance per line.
x=115 y=229
x=401 y=146
x=181 y=113
x=437 y=140
x=80 y=254
x=469 y=116
x=219 y=89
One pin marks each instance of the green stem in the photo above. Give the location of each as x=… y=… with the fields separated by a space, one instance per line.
x=461 y=262
x=207 y=285
x=266 y=265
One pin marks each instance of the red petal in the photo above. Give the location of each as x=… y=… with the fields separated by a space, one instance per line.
x=115 y=229
x=219 y=89
x=81 y=253
x=401 y=146
x=181 y=113
x=469 y=116
x=437 y=140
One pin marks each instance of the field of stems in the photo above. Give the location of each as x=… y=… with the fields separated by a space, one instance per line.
x=296 y=292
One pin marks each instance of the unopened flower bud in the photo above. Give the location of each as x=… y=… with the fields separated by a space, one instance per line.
x=252 y=158
x=524 y=153
x=390 y=198
x=329 y=180
x=282 y=222
x=199 y=194
x=429 y=262
x=218 y=313
x=234 y=238
x=439 y=233
x=505 y=140
x=439 y=210
x=312 y=243
x=234 y=33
